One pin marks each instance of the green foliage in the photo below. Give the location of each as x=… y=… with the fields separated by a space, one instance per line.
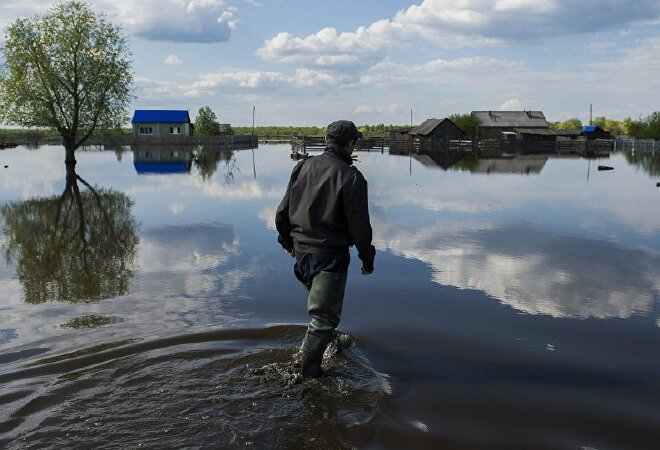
x=76 y=247
x=281 y=132
x=644 y=128
x=466 y=122
x=570 y=124
x=615 y=127
x=69 y=70
x=206 y=122
x=647 y=161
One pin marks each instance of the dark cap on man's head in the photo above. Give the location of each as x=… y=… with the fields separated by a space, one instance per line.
x=342 y=132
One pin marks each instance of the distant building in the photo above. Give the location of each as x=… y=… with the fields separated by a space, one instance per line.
x=161 y=123
x=435 y=134
x=595 y=132
x=493 y=123
x=541 y=140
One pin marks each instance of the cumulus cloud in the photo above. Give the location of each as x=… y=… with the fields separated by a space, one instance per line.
x=237 y=81
x=438 y=70
x=448 y=23
x=173 y=60
x=513 y=104
x=392 y=108
x=201 y=21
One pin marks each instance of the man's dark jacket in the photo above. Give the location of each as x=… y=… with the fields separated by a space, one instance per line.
x=325 y=208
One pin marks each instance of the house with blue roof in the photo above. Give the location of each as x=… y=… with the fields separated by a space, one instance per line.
x=161 y=123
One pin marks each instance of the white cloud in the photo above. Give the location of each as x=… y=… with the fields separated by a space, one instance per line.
x=202 y=21
x=536 y=279
x=236 y=81
x=392 y=108
x=513 y=104
x=445 y=71
x=173 y=60
x=516 y=6
x=450 y=24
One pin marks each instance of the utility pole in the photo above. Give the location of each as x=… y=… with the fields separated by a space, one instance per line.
x=591 y=114
x=411 y=117
x=254 y=164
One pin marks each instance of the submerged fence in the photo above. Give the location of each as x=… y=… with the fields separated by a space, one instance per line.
x=637 y=145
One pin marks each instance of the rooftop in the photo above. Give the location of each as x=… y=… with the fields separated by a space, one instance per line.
x=427 y=127
x=547 y=132
x=160 y=116
x=511 y=119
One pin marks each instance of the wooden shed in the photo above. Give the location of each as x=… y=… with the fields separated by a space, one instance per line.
x=493 y=123
x=434 y=135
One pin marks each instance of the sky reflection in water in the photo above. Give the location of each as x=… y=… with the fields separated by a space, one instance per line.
x=540 y=235
x=500 y=285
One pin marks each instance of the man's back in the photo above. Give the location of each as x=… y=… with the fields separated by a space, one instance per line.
x=317 y=209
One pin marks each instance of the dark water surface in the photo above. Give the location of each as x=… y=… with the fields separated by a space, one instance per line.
x=515 y=305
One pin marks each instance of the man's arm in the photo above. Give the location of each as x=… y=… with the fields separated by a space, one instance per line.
x=356 y=207
x=282 y=215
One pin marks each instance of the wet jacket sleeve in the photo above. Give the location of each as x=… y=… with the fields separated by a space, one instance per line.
x=356 y=207
x=282 y=222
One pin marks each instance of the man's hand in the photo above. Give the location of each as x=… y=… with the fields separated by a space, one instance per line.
x=287 y=244
x=368 y=261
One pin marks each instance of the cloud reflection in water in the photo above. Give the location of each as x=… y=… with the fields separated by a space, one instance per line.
x=532 y=270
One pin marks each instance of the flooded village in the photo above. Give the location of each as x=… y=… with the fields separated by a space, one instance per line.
x=333 y=225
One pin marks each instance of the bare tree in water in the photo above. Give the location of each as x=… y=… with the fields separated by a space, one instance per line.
x=69 y=70
x=78 y=246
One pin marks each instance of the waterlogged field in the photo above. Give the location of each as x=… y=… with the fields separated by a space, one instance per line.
x=515 y=305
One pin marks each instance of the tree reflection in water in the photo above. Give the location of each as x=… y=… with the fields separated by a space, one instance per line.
x=206 y=160
x=76 y=247
x=648 y=161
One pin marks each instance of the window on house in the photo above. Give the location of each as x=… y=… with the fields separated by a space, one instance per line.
x=175 y=130
x=146 y=130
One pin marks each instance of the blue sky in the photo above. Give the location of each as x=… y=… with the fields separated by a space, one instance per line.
x=310 y=62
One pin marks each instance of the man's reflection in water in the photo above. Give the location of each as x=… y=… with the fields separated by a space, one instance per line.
x=76 y=247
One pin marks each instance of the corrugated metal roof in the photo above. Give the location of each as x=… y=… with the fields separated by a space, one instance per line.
x=427 y=127
x=160 y=116
x=511 y=119
x=547 y=132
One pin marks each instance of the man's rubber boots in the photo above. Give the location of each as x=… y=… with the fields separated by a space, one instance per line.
x=312 y=350
x=342 y=341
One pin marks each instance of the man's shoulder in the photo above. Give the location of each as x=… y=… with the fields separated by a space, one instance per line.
x=358 y=175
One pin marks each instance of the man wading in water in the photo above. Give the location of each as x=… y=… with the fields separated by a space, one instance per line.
x=324 y=212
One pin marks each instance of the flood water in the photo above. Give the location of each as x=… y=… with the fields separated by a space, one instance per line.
x=515 y=305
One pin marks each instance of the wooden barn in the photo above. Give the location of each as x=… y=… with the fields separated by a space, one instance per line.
x=542 y=140
x=493 y=123
x=434 y=135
